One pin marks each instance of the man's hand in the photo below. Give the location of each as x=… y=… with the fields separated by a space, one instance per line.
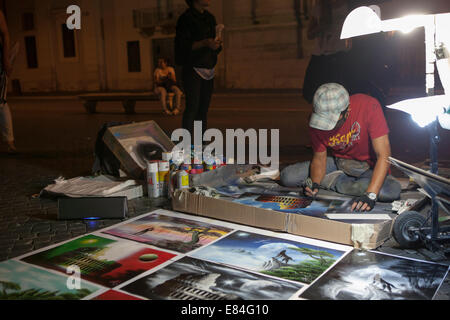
x=311 y=192
x=213 y=44
x=362 y=203
x=311 y=188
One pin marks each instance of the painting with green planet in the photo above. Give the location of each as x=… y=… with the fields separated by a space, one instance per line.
x=104 y=261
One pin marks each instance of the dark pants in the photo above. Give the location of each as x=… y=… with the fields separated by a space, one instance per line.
x=198 y=97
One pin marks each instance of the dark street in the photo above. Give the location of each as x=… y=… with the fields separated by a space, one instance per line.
x=72 y=71
x=55 y=137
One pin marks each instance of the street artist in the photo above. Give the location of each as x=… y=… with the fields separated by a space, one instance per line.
x=355 y=130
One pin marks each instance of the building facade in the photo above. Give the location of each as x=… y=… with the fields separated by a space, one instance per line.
x=119 y=42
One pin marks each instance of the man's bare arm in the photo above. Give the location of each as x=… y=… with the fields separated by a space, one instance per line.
x=382 y=149
x=317 y=170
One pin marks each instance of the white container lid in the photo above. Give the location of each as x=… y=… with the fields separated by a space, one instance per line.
x=163 y=166
x=167 y=156
x=152 y=166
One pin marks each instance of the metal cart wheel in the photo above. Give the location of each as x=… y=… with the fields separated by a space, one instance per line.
x=402 y=225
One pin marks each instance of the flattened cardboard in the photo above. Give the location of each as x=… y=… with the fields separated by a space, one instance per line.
x=122 y=141
x=318 y=228
x=228 y=211
x=365 y=236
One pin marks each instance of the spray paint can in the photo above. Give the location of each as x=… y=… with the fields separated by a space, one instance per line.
x=153 y=180
x=185 y=167
x=163 y=171
x=197 y=158
x=209 y=164
x=166 y=156
x=182 y=180
x=218 y=160
x=177 y=157
x=197 y=169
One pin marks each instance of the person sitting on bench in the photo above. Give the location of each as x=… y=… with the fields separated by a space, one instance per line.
x=166 y=82
x=355 y=130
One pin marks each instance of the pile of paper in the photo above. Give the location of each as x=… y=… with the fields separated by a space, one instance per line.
x=101 y=186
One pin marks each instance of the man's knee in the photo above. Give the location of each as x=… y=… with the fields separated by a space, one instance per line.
x=287 y=180
x=391 y=190
x=351 y=186
x=294 y=175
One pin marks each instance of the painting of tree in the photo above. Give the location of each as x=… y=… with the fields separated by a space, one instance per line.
x=305 y=271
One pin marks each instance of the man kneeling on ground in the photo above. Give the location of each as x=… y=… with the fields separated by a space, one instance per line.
x=355 y=130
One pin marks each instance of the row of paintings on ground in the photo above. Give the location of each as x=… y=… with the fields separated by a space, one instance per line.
x=169 y=255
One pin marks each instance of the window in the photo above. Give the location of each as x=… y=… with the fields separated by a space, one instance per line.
x=28 y=21
x=31 y=50
x=134 y=56
x=68 y=37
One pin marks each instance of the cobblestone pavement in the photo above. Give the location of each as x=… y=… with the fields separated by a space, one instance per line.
x=55 y=138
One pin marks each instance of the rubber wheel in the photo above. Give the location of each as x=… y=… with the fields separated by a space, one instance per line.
x=405 y=238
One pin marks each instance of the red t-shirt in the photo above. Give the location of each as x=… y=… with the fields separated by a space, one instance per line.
x=353 y=140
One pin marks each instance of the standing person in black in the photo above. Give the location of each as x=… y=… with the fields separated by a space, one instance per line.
x=196 y=50
x=6 y=125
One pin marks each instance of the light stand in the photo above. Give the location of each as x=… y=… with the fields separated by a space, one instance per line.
x=409 y=229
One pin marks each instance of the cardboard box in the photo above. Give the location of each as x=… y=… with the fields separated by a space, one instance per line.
x=132 y=143
x=364 y=236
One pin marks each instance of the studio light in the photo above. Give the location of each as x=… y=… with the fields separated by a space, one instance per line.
x=423 y=110
x=366 y=20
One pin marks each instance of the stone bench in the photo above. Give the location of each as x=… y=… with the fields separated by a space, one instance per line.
x=128 y=100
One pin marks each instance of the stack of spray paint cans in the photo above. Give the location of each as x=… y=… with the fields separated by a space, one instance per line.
x=172 y=171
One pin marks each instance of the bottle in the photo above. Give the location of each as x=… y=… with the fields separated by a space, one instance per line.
x=153 y=180
x=163 y=171
x=167 y=156
x=177 y=158
x=182 y=180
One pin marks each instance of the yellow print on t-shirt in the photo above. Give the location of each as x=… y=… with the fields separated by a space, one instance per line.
x=344 y=140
